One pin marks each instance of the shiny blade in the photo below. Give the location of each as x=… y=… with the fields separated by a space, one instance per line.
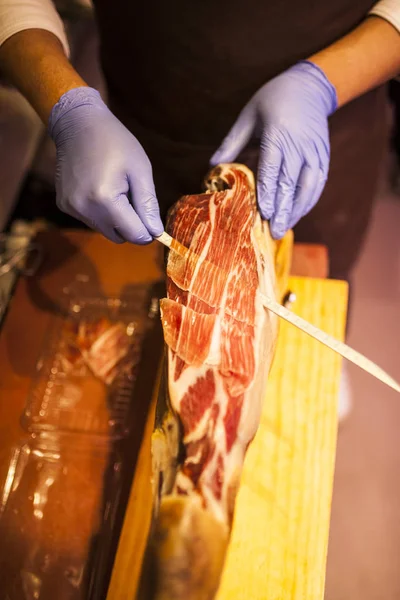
x=352 y=355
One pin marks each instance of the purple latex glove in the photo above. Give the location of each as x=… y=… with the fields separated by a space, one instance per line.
x=290 y=116
x=103 y=175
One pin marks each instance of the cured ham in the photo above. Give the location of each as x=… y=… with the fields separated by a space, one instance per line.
x=220 y=344
x=99 y=345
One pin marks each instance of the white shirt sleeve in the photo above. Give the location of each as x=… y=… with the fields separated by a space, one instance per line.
x=19 y=15
x=388 y=10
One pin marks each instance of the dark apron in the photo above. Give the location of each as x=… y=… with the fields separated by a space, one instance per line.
x=178 y=73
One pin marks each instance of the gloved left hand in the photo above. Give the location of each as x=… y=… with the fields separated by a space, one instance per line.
x=290 y=115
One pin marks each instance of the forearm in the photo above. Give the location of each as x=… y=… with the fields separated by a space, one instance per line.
x=35 y=62
x=362 y=60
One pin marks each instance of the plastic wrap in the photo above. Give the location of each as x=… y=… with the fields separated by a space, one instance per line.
x=53 y=507
x=62 y=491
x=87 y=370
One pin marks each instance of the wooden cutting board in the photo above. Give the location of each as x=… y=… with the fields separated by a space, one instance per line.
x=280 y=535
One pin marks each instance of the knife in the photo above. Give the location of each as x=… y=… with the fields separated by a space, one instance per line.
x=337 y=346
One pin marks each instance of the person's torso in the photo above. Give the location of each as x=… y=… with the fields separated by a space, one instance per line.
x=184 y=69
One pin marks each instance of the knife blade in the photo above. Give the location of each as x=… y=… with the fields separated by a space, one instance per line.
x=324 y=338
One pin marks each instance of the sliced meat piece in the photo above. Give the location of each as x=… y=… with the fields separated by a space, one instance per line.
x=187 y=332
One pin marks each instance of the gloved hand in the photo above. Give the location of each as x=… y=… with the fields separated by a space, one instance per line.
x=103 y=175
x=290 y=115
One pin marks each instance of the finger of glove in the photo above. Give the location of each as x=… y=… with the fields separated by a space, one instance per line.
x=145 y=202
x=237 y=138
x=126 y=222
x=306 y=188
x=99 y=225
x=114 y=218
x=311 y=184
x=322 y=149
x=269 y=168
x=108 y=233
x=285 y=195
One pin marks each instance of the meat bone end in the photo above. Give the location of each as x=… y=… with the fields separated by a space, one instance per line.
x=187 y=551
x=216 y=182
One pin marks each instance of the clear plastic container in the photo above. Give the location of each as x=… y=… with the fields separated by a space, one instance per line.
x=67 y=483
x=58 y=499
x=87 y=370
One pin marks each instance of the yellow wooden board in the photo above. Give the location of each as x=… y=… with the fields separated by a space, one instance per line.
x=280 y=535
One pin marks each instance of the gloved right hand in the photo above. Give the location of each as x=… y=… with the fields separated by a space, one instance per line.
x=103 y=175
